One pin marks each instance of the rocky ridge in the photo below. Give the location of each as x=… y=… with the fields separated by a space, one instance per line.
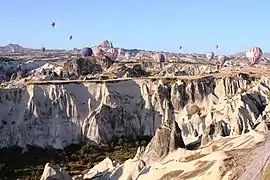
x=60 y=114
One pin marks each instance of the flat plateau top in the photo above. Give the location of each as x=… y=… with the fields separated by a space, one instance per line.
x=252 y=71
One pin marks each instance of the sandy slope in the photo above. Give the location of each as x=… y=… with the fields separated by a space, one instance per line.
x=260 y=158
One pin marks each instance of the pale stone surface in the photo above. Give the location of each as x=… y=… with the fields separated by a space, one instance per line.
x=58 y=115
x=54 y=172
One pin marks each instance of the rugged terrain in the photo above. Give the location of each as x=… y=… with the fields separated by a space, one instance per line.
x=204 y=123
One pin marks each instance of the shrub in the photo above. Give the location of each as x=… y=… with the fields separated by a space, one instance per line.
x=89 y=149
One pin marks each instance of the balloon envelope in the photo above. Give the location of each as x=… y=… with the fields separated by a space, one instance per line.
x=128 y=55
x=70 y=37
x=222 y=59
x=53 y=24
x=86 y=52
x=210 y=56
x=119 y=51
x=97 y=52
x=159 y=58
x=254 y=54
x=43 y=49
x=112 y=53
x=107 y=44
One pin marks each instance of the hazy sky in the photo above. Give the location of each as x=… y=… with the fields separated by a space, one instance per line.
x=197 y=25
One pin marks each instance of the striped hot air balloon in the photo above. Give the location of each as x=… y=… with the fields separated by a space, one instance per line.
x=254 y=54
x=106 y=44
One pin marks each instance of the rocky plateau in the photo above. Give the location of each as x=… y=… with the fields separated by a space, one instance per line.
x=203 y=123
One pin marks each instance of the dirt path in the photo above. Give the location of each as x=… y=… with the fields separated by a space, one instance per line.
x=259 y=160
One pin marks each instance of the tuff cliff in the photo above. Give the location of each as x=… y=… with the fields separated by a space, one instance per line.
x=64 y=113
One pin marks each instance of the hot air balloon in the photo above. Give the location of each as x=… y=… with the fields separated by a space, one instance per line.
x=107 y=44
x=159 y=58
x=222 y=59
x=70 y=37
x=128 y=55
x=53 y=24
x=86 y=52
x=119 y=51
x=210 y=56
x=43 y=49
x=112 y=53
x=217 y=46
x=254 y=54
x=180 y=47
x=110 y=44
x=97 y=52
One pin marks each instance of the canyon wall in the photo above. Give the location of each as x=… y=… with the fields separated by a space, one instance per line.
x=57 y=115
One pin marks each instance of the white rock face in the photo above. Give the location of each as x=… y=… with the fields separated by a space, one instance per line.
x=60 y=114
x=104 y=168
x=129 y=170
x=54 y=172
x=210 y=161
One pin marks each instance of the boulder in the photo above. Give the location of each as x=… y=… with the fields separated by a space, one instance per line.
x=102 y=169
x=54 y=172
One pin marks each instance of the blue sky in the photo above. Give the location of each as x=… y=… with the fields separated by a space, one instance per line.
x=197 y=25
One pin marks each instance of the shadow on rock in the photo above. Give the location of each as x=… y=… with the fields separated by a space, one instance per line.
x=166 y=140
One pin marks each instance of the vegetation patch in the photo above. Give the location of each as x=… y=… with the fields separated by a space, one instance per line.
x=266 y=173
x=76 y=159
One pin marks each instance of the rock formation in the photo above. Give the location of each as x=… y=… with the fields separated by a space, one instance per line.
x=82 y=67
x=60 y=114
x=166 y=140
x=54 y=172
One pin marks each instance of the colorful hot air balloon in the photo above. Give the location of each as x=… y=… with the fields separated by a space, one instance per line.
x=107 y=44
x=70 y=37
x=210 y=56
x=86 y=52
x=53 y=24
x=112 y=53
x=254 y=54
x=128 y=55
x=43 y=49
x=97 y=52
x=222 y=59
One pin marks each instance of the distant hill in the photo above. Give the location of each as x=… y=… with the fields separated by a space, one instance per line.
x=16 y=48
